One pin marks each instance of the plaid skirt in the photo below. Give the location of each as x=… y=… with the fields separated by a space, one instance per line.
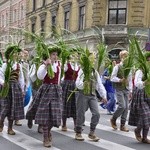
x=49 y=110
x=32 y=109
x=140 y=109
x=69 y=105
x=13 y=105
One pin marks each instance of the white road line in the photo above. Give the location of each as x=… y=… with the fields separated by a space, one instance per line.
x=110 y=129
x=25 y=141
x=102 y=143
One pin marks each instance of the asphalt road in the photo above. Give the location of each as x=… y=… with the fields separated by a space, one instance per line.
x=30 y=139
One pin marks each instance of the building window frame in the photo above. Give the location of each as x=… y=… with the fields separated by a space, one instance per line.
x=67 y=8
x=54 y=11
x=82 y=14
x=33 y=25
x=116 y=8
x=82 y=17
x=34 y=5
x=43 y=20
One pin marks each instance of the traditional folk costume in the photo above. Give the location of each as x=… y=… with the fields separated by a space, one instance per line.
x=140 y=109
x=49 y=111
x=13 y=106
x=46 y=107
x=68 y=86
x=84 y=102
x=122 y=94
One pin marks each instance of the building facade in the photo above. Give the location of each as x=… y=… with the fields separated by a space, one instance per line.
x=12 y=17
x=89 y=20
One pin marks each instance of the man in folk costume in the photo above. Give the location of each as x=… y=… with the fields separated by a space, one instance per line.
x=140 y=106
x=123 y=93
x=71 y=69
x=49 y=97
x=88 y=100
x=12 y=104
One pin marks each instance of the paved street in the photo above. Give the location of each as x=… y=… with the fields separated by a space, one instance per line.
x=30 y=139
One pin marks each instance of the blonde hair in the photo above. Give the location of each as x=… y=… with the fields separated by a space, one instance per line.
x=123 y=54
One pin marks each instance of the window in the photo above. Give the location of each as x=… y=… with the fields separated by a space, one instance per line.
x=42 y=27
x=3 y=19
x=66 y=20
x=34 y=5
x=7 y=19
x=117 y=11
x=44 y=1
x=33 y=28
x=15 y=15
x=53 y=25
x=81 y=17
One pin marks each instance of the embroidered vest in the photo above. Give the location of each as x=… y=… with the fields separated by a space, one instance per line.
x=119 y=85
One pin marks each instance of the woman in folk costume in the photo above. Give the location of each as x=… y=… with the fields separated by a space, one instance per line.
x=140 y=106
x=49 y=97
x=12 y=104
x=71 y=69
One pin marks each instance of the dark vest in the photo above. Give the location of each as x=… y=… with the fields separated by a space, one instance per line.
x=48 y=80
x=71 y=74
x=119 y=85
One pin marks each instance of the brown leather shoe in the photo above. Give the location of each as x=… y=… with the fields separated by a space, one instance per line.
x=123 y=128
x=138 y=136
x=79 y=137
x=47 y=143
x=113 y=123
x=11 y=132
x=93 y=137
x=64 y=128
x=147 y=141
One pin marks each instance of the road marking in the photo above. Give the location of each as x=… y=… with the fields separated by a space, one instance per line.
x=102 y=143
x=25 y=141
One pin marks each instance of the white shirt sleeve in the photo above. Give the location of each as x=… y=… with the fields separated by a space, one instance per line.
x=65 y=67
x=99 y=86
x=32 y=73
x=79 y=80
x=21 y=79
x=130 y=86
x=114 y=74
x=138 y=79
x=2 y=73
x=42 y=71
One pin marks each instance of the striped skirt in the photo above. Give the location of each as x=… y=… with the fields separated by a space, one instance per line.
x=140 y=109
x=49 y=110
x=69 y=105
x=13 y=105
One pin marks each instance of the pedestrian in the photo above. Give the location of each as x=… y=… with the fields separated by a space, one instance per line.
x=12 y=105
x=71 y=69
x=48 y=100
x=123 y=92
x=88 y=100
x=111 y=104
x=140 y=106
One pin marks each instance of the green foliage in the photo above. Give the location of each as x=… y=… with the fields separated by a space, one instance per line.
x=101 y=54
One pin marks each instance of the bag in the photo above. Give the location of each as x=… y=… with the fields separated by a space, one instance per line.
x=28 y=95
